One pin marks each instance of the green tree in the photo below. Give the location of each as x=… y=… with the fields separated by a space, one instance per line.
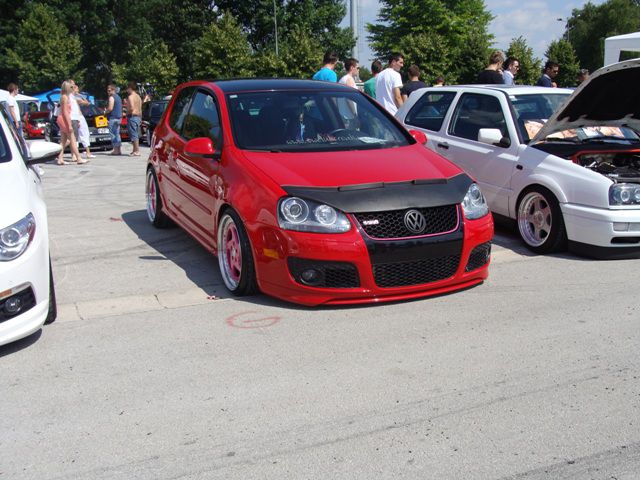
x=530 y=66
x=300 y=53
x=588 y=27
x=12 y=11
x=45 y=53
x=223 y=51
x=448 y=37
x=561 y=52
x=151 y=63
x=320 y=18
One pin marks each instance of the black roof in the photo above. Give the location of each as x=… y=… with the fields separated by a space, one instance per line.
x=266 y=84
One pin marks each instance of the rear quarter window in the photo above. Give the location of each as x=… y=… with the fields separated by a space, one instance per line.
x=430 y=110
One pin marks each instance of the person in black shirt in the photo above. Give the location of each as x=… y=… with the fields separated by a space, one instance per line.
x=413 y=84
x=492 y=74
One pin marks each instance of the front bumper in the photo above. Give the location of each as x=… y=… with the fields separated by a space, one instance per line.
x=593 y=227
x=29 y=271
x=387 y=270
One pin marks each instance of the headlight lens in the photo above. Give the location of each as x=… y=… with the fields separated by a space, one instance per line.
x=308 y=216
x=624 y=194
x=15 y=239
x=474 y=205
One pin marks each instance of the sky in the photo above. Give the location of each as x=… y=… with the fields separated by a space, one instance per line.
x=538 y=21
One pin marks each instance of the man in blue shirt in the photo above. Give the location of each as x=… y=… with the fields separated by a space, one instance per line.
x=326 y=73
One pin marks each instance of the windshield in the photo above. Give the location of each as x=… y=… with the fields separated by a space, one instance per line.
x=291 y=121
x=532 y=111
x=89 y=110
x=158 y=108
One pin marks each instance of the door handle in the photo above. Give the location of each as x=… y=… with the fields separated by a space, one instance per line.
x=443 y=145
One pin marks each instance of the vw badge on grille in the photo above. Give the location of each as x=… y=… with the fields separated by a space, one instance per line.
x=414 y=221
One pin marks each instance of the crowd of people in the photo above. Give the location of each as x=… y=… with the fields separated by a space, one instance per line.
x=385 y=85
x=73 y=127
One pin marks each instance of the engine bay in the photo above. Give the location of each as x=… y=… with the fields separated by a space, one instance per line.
x=619 y=166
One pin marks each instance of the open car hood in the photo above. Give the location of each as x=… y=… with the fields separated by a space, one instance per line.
x=609 y=97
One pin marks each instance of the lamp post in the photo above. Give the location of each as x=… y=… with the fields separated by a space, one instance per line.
x=275 y=24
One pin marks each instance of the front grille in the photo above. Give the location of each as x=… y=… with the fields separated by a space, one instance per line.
x=402 y=274
x=326 y=274
x=479 y=257
x=27 y=301
x=390 y=224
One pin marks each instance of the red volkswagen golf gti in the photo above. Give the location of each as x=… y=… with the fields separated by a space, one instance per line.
x=311 y=192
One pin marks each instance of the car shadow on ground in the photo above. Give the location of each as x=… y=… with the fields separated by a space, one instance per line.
x=21 y=344
x=175 y=245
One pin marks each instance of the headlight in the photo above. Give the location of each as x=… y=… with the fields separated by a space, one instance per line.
x=15 y=239
x=624 y=194
x=308 y=216
x=474 y=205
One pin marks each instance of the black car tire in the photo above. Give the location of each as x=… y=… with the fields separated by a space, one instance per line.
x=234 y=246
x=155 y=211
x=540 y=222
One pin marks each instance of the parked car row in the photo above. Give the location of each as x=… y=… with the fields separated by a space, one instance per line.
x=565 y=168
x=313 y=193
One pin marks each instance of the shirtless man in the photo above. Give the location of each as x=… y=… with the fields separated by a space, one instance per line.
x=134 y=117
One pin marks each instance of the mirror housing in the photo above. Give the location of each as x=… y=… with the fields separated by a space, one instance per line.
x=42 y=151
x=493 y=136
x=419 y=136
x=201 y=147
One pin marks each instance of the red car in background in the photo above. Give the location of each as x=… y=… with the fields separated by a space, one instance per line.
x=34 y=124
x=311 y=192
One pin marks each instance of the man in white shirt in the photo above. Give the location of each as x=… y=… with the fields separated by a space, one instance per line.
x=351 y=67
x=389 y=83
x=14 y=109
x=510 y=69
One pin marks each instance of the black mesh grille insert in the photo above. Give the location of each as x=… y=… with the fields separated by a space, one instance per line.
x=327 y=274
x=415 y=273
x=391 y=224
x=479 y=256
x=26 y=298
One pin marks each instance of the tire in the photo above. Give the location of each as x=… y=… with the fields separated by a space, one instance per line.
x=155 y=212
x=53 y=307
x=234 y=256
x=540 y=222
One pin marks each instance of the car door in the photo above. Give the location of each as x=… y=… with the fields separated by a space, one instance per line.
x=195 y=173
x=491 y=166
x=167 y=146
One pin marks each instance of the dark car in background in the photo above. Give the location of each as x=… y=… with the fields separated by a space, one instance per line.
x=97 y=122
x=151 y=114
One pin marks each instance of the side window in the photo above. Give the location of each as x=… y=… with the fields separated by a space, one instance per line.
x=202 y=119
x=430 y=110
x=475 y=111
x=180 y=109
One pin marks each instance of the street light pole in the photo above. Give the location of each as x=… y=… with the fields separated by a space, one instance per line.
x=275 y=24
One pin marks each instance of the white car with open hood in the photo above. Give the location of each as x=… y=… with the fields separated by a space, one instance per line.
x=27 y=295
x=565 y=165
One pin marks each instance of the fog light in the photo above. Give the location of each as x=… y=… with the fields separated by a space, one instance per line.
x=311 y=276
x=13 y=305
x=620 y=227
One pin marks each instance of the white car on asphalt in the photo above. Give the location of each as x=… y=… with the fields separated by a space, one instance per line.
x=27 y=295
x=564 y=165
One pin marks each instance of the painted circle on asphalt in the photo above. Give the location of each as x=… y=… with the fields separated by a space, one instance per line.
x=251 y=319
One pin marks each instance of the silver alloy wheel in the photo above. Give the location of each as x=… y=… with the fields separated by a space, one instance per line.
x=151 y=192
x=229 y=252
x=535 y=219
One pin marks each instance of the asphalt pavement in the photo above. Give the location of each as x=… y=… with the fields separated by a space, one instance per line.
x=152 y=371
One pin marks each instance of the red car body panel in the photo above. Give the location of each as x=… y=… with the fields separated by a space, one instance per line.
x=34 y=123
x=194 y=191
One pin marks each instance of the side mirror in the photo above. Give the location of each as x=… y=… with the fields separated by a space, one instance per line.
x=493 y=136
x=42 y=151
x=419 y=136
x=201 y=147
